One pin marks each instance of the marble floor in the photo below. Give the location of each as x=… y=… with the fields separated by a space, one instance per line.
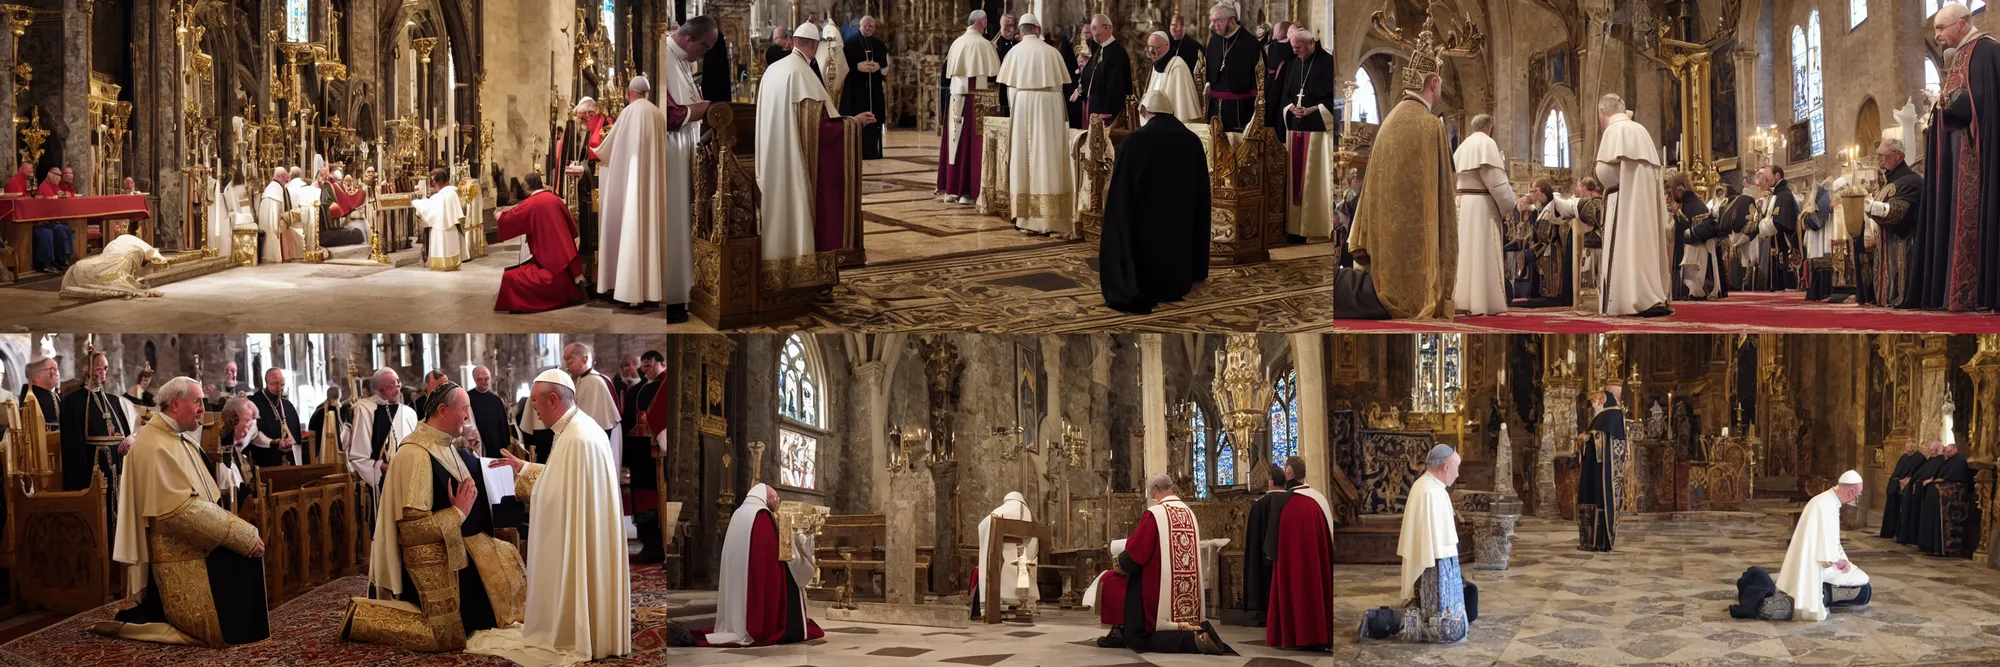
x=932 y=266
x=1662 y=599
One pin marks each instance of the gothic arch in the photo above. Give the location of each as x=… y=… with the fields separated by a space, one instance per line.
x=1867 y=127
x=1561 y=98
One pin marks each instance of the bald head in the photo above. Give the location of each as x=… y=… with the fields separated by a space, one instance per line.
x=576 y=358
x=1951 y=24
x=274 y=381
x=280 y=174
x=1100 y=29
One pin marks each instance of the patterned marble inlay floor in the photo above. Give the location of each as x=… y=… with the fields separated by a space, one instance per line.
x=1661 y=599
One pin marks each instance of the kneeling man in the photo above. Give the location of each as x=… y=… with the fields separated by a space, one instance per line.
x=1153 y=600
x=1816 y=573
x=206 y=567
x=1434 y=608
x=760 y=602
x=436 y=569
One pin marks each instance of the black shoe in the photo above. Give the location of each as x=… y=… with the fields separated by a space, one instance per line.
x=1661 y=310
x=1295 y=239
x=1114 y=640
x=648 y=557
x=677 y=313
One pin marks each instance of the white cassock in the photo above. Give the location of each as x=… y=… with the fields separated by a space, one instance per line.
x=1038 y=173
x=1014 y=560
x=114 y=273
x=632 y=239
x=1636 y=274
x=971 y=64
x=1815 y=548
x=1177 y=83
x=681 y=146
x=579 y=586
x=595 y=398
x=443 y=214
x=305 y=200
x=282 y=240
x=1429 y=532
x=221 y=223
x=1484 y=200
x=787 y=225
x=360 y=440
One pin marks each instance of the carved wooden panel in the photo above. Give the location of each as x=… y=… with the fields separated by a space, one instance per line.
x=63 y=556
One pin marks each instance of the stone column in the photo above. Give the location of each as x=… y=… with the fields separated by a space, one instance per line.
x=75 y=115
x=1154 y=386
x=899 y=571
x=7 y=110
x=875 y=424
x=1558 y=426
x=1308 y=359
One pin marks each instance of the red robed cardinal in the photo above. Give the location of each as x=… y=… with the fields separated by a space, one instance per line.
x=346 y=201
x=1301 y=603
x=548 y=280
x=1181 y=559
x=759 y=602
x=49 y=189
x=19 y=184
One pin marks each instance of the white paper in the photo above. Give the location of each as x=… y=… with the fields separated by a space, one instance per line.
x=499 y=481
x=1117 y=547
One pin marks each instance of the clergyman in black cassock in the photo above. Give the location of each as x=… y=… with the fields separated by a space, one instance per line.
x=1278 y=63
x=1260 y=545
x=1232 y=74
x=1156 y=216
x=1898 y=212
x=640 y=458
x=1597 y=487
x=1912 y=505
x=1107 y=80
x=1948 y=519
x=489 y=414
x=1892 y=504
x=90 y=419
x=866 y=91
x=1959 y=243
x=718 y=73
x=276 y=419
x=1785 y=216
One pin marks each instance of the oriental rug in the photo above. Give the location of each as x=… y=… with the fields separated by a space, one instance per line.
x=304 y=631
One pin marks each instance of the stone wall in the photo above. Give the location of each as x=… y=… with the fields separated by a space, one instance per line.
x=518 y=89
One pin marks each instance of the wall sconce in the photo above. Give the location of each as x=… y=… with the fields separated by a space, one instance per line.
x=1074 y=444
x=1009 y=451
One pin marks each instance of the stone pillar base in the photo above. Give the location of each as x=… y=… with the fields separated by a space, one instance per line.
x=1493 y=534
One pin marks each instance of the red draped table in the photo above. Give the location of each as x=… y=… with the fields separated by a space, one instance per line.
x=20 y=215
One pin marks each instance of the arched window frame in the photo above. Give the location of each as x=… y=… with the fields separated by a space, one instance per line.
x=1555 y=139
x=1364 y=107
x=801 y=401
x=298 y=21
x=1284 y=415
x=1808 y=81
x=1198 y=451
x=1439 y=375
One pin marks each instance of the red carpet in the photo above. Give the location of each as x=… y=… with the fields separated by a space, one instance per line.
x=304 y=631
x=1747 y=312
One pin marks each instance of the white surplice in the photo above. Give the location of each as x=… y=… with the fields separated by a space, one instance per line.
x=1636 y=274
x=681 y=146
x=1177 y=84
x=1815 y=547
x=579 y=604
x=787 y=225
x=1308 y=204
x=281 y=241
x=1014 y=558
x=1039 y=181
x=971 y=62
x=632 y=239
x=113 y=273
x=1484 y=197
x=360 y=447
x=1429 y=532
x=732 y=603
x=443 y=214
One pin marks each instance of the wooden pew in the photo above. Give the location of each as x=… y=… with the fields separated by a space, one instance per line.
x=58 y=554
x=850 y=543
x=307 y=518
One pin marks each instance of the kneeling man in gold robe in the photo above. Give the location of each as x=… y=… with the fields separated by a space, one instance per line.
x=198 y=570
x=436 y=571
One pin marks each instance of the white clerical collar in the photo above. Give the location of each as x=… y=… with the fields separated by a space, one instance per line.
x=1107 y=42
x=1621 y=116
x=568 y=417
x=172 y=426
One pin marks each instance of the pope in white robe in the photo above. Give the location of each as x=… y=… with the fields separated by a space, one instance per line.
x=971 y=65
x=1039 y=178
x=114 y=273
x=633 y=240
x=579 y=584
x=594 y=396
x=1171 y=77
x=1432 y=587
x=681 y=143
x=1815 y=555
x=1637 y=276
x=283 y=236
x=1017 y=561
x=367 y=456
x=443 y=213
x=1485 y=204
x=782 y=176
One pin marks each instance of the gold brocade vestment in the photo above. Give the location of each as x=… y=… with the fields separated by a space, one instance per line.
x=1406 y=221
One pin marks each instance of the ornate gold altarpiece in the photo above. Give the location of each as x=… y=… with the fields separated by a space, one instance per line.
x=733 y=285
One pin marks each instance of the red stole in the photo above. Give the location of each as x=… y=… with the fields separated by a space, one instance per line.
x=1964 y=271
x=1301 y=606
x=595 y=134
x=1169 y=563
x=350 y=201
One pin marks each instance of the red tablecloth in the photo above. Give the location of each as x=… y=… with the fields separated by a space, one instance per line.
x=113 y=207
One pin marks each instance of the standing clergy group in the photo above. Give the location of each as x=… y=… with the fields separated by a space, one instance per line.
x=1931 y=496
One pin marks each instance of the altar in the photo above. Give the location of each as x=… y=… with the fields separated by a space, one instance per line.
x=21 y=215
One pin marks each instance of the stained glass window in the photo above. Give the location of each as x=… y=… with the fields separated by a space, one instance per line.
x=1439 y=373
x=548 y=347
x=1198 y=450
x=798 y=455
x=298 y=24
x=608 y=14
x=1555 y=140
x=1225 y=459
x=1808 y=89
x=1284 y=413
x=1931 y=79
x=798 y=383
x=1857 y=11
x=1363 y=108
